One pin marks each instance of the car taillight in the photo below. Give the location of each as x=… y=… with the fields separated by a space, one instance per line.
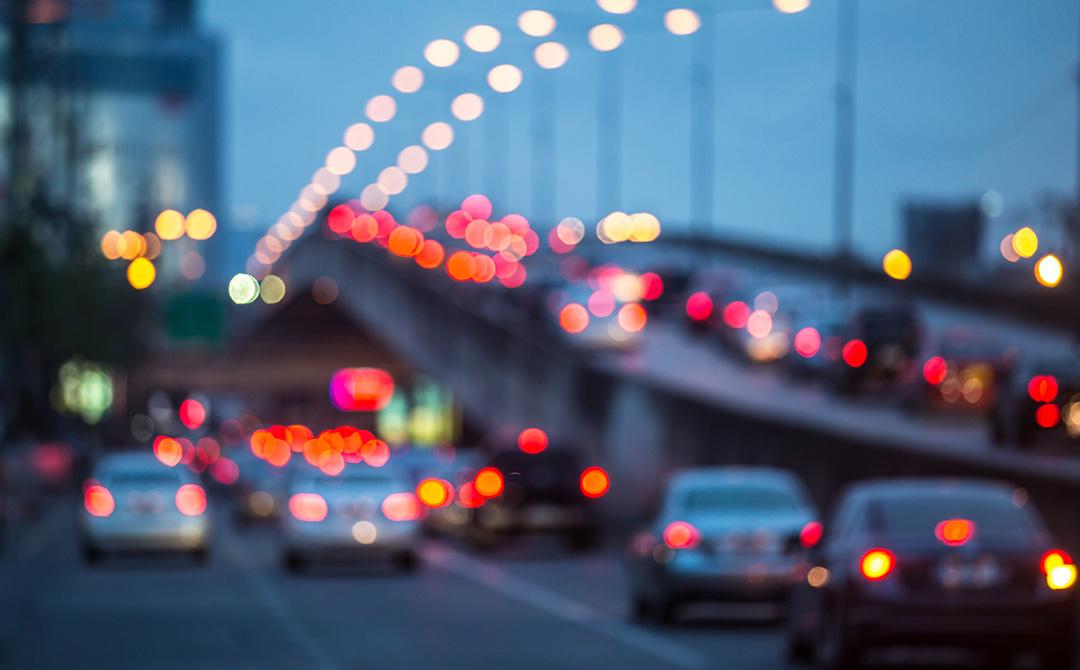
x=954 y=532
x=681 y=535
x=1058 y=567
x=489 y=482
x=594 y=482
x=401 y=507
x=98 y=500
x=854 y=353
x=810 y=534
x=876 y=564
x=307 y=507
x=434 y=492
x=191 y=500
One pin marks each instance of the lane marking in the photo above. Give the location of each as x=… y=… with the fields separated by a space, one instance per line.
x=496 y=579
x=275 y=605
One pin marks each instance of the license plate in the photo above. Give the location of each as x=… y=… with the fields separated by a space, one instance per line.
x=981 y=572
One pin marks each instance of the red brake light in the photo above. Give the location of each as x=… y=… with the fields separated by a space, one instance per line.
x=98 y=500
x=1059 y=569
x=191 y=500
x=681 y=535
x=876 y=564
x=807 y=342
x=954 y=532
x=434 y=492
x=469 y=497
x=489 y=482
x=935 y=370
x=1043 y=388
x=401 y=507
x=736 y=314
x=699 y=306
x=855 y=353
x=594 y=482
x=308 y=507
x=1053 y=559
x=1048 y=415
x=810 y=534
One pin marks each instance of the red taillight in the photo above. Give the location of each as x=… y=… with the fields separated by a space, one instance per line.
x=469 y=497
x=1043 y=388
x=876 y=564
x=807 y=342
x=401 y=507
x=435 y=493
x=1048 y=415
x=308 y=507
x=855 y=353
x=1054 y=558
x=1059 y=569
x=98 y=500
x=810 y=534
x=594 y=482
x=935 y=370
x=489 y=482
x=191 y=500
x=681 y=535
x=954 y=532
x=699 y=306
x=736 y=314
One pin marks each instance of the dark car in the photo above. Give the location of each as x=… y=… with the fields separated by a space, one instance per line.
x=1040 y=401
x=550 y=492
x=880 y=341
x=934 y=563
x=961 y=371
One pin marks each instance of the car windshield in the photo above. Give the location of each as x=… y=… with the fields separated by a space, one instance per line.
x=729 y=499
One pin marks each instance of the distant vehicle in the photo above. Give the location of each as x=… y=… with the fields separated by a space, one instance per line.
x=934 y=562
x=881 y=340
x=544 y=493
x=961 y=371
x=362 y=512
x=1040 y=401
x=134 y=503
x=722 y=534
x=260 y=492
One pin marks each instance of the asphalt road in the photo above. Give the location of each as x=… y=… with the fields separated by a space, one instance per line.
x=530 y=606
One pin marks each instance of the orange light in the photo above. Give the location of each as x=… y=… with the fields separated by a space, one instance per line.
x=431 y=256
x=435 y=493
x=460 y=266
x=469 y=497
x=532 y=440
x=489 y=482
x=681 y=535
x=167 y=450
x=401 y=507
x=375 y=453
x=595 y=482
x=310 y=507
x=855 y=353
x=98 y=500
x=574 y=318
x=954 y=532
x=876 y=564
x=483 y=269
x=191 y=500
x=1053 y=559
x=632 y=317
x=811 y=534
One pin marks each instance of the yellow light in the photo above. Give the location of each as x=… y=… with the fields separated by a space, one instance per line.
x=617 y=6
x=551 y=55
x=272 y=289
x=467 y=107
x=141 y=273
x=605 y=37
x=408 y=79
x=1061 y=577
x=201 y=224
x=682 y=22
x=169 y=224
x=897 y=264
x=791 y=6
x=1025 y=242
x=504 y=78
x=615 y=227
x=1048 y=271
x=644 y=227
x=536 y=23
x=442 y=53
x=132 y=245
x=876 y=564
x=482 y=38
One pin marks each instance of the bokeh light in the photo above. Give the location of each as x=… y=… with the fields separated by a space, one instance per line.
x=1006 y=248
x=141 y=273
x=551 y=55
x=243 y=289
x=200 y=224
x=617 y=6
x=393 y=180
x=791 y=6
x=594 y=482
x=413 y=159
x=536 y=23
x=340 y=160
x=1025 y=242
x=169 y=224
x=467 y=107
x=442 y=52
x=605 y=37
x=272 y=289
x=437 y=136
x=358 y=137
x=504 y=78
x=574 y=318
x=408 y=79
x=682 y=21
x=532 y=440
x=632 y=317
x=483 y=38
x=1048 y=271
x=381 y=108
x=897 y=264
x=374 y=197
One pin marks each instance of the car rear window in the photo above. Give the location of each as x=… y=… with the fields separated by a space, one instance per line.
x=993 y=515
x=739 y=498
x=163 y=478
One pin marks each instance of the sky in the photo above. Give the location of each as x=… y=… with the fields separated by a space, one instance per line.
x=954 y=98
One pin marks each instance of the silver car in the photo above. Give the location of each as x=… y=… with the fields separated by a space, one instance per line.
x=362 y=512
x=722 y=534
x=134 y=503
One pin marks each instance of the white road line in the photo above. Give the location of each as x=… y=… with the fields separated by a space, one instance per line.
x=276 y=606
x=502 y=582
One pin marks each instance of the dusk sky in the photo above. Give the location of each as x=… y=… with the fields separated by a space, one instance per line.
x=954 y=98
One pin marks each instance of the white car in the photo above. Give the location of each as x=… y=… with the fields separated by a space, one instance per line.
x=363 y=511
x=135 y=503
x=723 y=534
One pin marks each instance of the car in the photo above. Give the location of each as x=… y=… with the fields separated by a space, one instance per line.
x=881 y=338
x=1039 y=401
x=961 y=372
x=260 y=490
x=545 y=493
x=363 y=512
x=133 y=502
x=721 y=534
x=959 y=563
